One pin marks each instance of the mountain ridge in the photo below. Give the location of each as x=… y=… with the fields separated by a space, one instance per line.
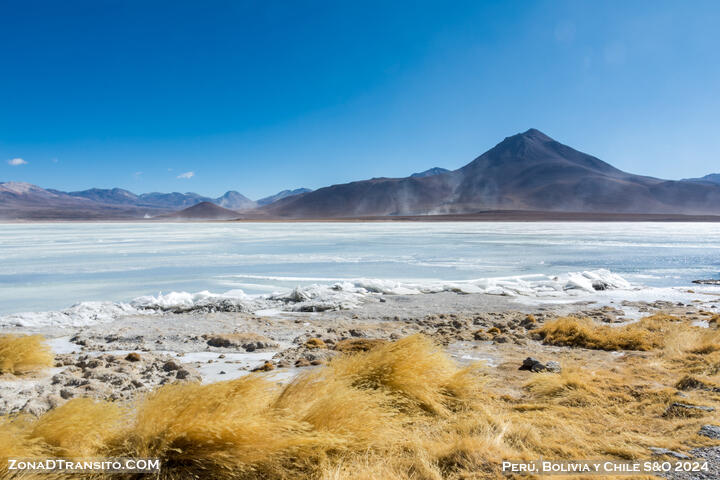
x=529 y=171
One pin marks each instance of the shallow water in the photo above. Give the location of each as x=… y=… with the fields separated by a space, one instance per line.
x=52 y=266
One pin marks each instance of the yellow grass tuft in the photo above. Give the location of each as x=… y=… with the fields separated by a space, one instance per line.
x=413 y=371
x=21 y=354
x=79 y=428
x=350 y=345
x=646 y=334
x=315 y=343
x=402 y=410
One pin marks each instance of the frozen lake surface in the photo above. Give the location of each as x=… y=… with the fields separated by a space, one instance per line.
x=46 y=267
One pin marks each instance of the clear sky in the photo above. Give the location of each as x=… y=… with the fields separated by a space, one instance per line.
x=258 y=96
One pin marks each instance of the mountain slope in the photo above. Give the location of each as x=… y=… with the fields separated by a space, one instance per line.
x=202 y=211
x=430 y=172
x=528 y=171
x=235 y=201
x=281 y=195
x=710 y=178
x=114 y=196
x=20 y=200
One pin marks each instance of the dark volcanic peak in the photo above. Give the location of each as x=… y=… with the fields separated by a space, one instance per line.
x=430 y=172
x=527 y=171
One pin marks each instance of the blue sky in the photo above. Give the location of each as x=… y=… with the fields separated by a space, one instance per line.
x=260 y=96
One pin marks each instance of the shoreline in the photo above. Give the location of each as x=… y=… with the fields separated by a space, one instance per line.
x=484 y=216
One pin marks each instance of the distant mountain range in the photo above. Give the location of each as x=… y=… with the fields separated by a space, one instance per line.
x=20 y=200
x=711 y=178
x=172 y=201
x=281 y=195
x=527 y=172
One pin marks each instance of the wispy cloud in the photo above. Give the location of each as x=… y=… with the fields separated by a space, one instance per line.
x=186 y=175
x=16 y=162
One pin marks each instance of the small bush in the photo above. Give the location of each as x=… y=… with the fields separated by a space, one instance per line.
x=350 y=345
x=315 y=343
x=79 y=428
x=21 y=354
x=585 y=333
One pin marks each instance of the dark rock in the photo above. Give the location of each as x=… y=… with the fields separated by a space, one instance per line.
x=712 y=431
x=265 y=367
x=302 y=362
x=670 y=453
x=132 y=357
x=677 y=409
x=536 y=366
x=171 y=365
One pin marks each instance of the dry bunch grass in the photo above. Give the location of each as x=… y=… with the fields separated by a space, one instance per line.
x=646 y=334
x=402 y=410
x=21 y=354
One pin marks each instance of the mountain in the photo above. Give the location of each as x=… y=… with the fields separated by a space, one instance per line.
x=711 y=178
x=281 y=195
x=169 y=201
x=528 y=171
x=115 y=196
x=20 y=200
x=202 y=211
x=235 y=201
x=430 y=172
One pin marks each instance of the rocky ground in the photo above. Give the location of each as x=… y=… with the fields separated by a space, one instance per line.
x=135 y=354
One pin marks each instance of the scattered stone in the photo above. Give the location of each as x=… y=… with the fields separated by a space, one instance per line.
x=171 y=365
x=248 y=341
x=553 y=366
x=494 y=331
x=101 y=377
x=707 y=282
x=529 y=322
x=692 y=383
x=712 y=431
x=677 y=409
x=671 y=453
x=265 y=367
x=302 y=362
x=482 y=336
x=536 y=366
x=132 y=357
